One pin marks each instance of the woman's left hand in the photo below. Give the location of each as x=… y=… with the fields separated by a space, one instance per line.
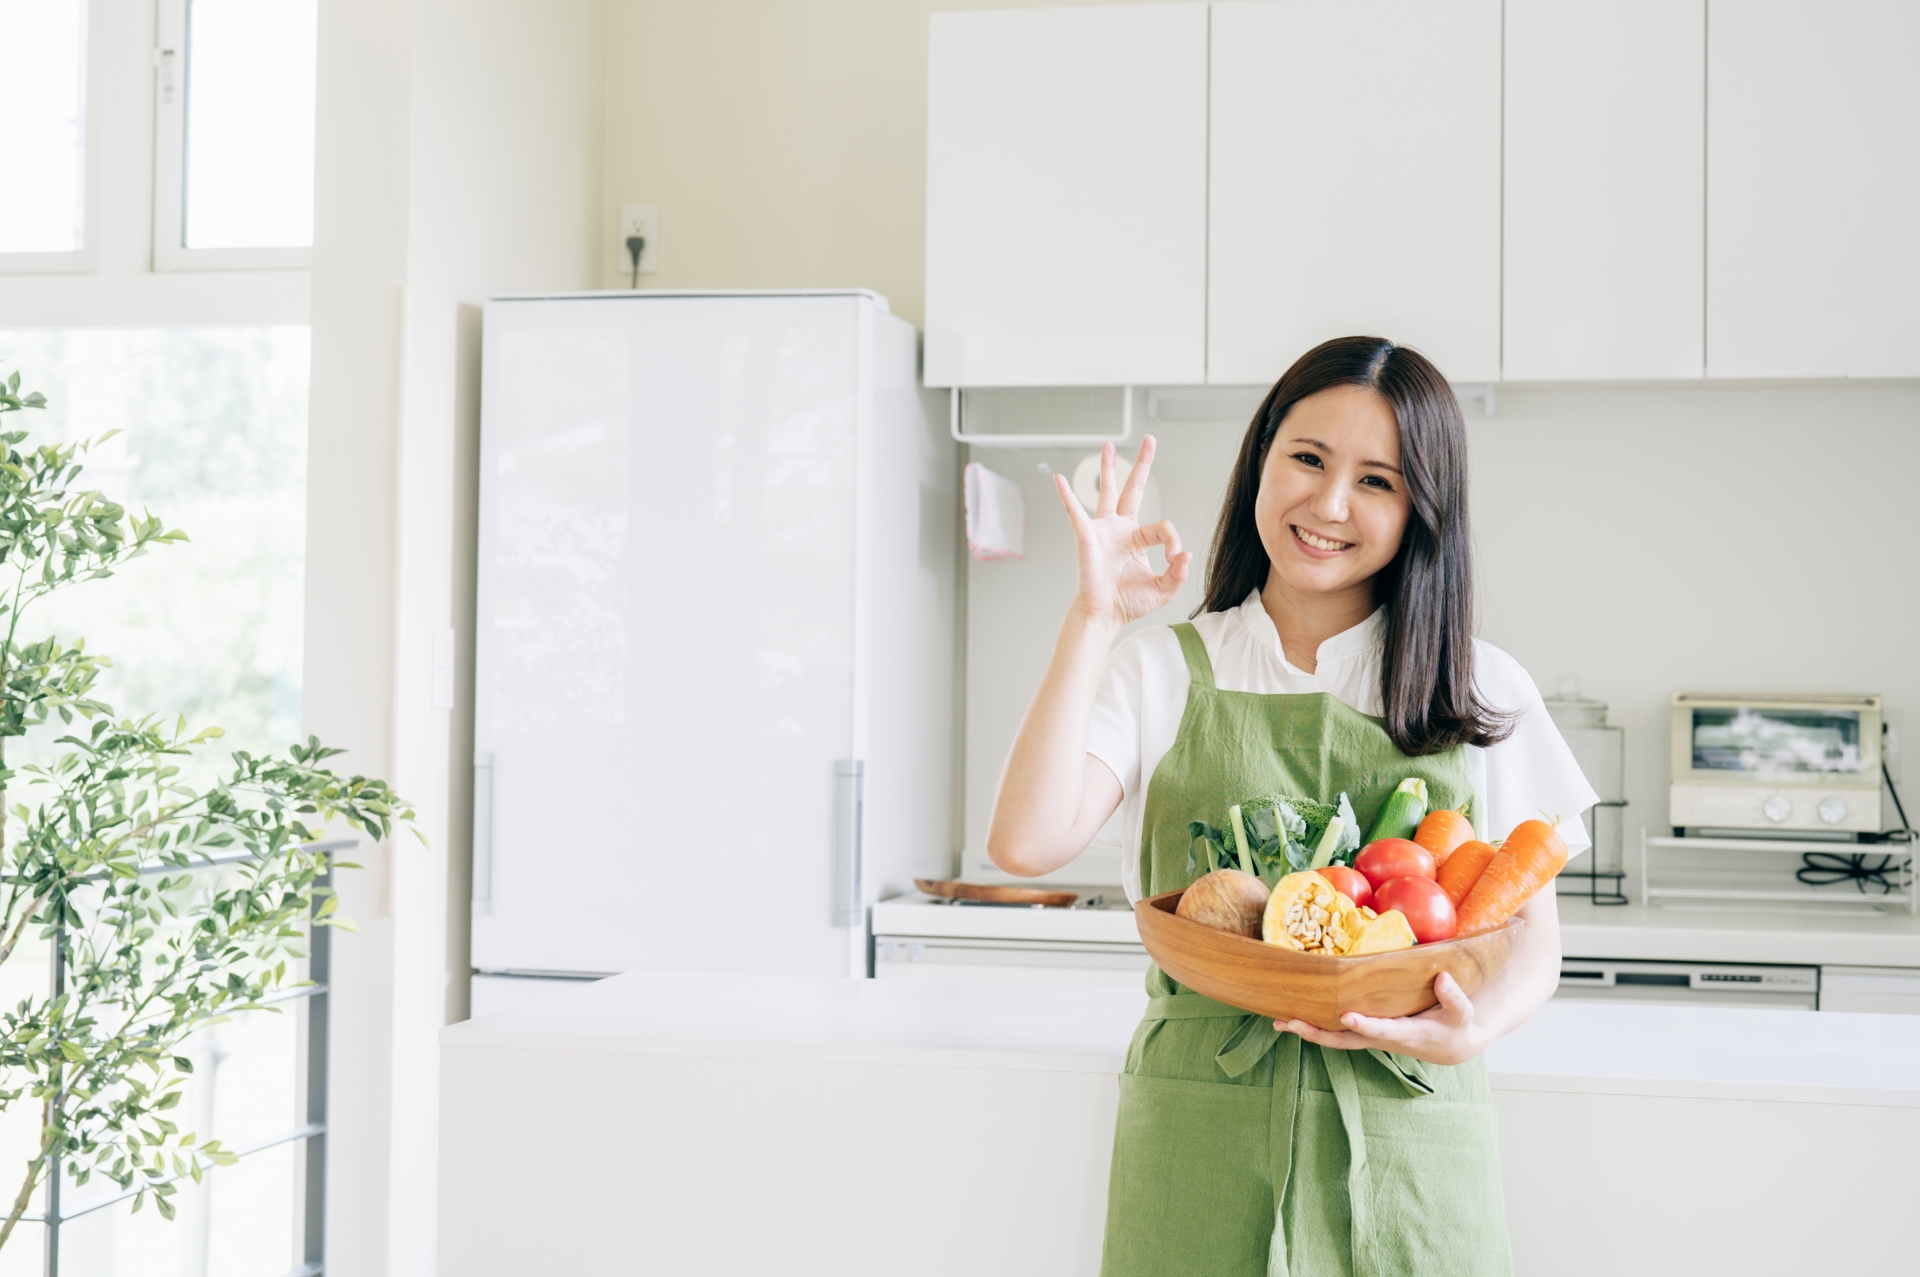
x=1447 y=1034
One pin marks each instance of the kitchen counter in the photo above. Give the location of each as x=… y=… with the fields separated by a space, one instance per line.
x=739 y=1124
x=1619 y=932
x=1667 y=934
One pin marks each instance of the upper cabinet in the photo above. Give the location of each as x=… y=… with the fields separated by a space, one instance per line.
x=1605 y=189
x=1355 y=182
x=1067 y=196
x=1545 y=190
x=1813 y=178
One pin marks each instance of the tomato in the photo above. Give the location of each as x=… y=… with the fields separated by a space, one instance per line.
x=1394 y=858
x=1348 y=882
x=1422 y=902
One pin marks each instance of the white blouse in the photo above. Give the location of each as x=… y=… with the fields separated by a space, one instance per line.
x=1137 y=716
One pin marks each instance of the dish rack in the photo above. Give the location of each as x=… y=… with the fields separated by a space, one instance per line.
x=1760 y=885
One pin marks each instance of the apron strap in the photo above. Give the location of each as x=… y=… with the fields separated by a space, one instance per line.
x=1198 y=664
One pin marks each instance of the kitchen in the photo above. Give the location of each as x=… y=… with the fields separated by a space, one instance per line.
x=684 y=391
x=1676 y=400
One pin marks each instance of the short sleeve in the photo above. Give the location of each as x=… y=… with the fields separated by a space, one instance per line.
x=1113 y=731
x=1532 y=772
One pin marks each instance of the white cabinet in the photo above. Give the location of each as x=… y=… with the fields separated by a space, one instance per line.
x=1354 y=181
x=1066 y=196
x=1605 y=185
x=1813 y=179
x=1887 y=990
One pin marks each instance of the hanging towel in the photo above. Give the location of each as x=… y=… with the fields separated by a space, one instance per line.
x=996 y=515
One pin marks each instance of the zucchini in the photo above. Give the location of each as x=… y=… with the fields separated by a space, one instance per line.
x=1406 y=808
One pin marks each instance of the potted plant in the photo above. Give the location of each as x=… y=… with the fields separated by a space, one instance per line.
x=104 y=853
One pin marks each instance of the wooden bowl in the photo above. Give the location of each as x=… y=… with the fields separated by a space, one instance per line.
x=1285 y=984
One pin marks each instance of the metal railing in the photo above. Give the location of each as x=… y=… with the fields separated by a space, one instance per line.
x=312 y=1084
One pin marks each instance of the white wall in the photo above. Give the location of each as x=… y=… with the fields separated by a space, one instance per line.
x=1701 y=538
x=459 y=157
x=1641 y=540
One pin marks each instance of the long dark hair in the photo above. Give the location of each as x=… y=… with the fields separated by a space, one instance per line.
x=1426 y=669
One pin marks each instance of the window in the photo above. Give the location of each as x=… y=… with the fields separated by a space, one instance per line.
x=213 y=439
x=235 y=99
x=43 y=117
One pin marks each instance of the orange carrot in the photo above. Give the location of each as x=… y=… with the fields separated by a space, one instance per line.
x=1443 y=831
x=1463 y=869
x=1527 y=861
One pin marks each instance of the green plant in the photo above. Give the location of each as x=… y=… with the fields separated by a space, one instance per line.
x=148 y=958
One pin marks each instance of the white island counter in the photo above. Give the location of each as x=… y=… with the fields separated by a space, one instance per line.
x=720 y=1124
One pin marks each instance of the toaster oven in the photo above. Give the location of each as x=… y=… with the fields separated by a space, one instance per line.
x=1794 y=765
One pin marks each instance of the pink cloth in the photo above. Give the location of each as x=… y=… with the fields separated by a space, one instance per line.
x=996 y=515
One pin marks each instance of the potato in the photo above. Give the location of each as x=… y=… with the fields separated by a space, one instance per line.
x=1226 y=900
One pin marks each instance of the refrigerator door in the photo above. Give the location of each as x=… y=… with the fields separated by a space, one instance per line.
x=665 y=670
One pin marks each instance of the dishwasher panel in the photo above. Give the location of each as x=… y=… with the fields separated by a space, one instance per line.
x=1689 y=983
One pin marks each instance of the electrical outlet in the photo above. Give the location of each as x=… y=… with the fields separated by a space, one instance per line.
x=642 y=220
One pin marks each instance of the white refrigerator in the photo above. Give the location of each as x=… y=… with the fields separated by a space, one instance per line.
x=715 y=676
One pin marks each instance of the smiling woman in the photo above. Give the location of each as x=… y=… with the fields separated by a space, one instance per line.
x=1362 y=450
x=1333 y=659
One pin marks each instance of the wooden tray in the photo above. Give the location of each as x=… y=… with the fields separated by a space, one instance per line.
x=948 y=890
x=1288 y=985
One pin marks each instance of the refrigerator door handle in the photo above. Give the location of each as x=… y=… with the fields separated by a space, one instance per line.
x=483 y=833
x=849 y=797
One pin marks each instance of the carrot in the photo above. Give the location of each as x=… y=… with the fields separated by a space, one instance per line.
x=1527 y=861
x=1443 y=831
x=1463 y=869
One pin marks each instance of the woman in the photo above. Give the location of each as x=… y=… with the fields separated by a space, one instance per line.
x=1333 y=653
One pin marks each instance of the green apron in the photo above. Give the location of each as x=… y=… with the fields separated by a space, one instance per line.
x=1241 y=1151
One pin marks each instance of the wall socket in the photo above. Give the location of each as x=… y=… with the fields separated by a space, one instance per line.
x=642 y=220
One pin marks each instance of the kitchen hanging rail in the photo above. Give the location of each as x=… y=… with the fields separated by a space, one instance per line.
x=1040 y=441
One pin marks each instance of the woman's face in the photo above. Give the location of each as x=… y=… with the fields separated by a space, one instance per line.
x=1332 y=504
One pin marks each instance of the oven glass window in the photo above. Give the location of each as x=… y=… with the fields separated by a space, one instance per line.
x=1776 y=740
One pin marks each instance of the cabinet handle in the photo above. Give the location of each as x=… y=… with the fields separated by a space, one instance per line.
x=483 y=833
x=849 y=796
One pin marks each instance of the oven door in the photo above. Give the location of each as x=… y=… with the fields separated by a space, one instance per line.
x=1689 y=983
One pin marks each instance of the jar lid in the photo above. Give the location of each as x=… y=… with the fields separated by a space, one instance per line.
x=1576 y=711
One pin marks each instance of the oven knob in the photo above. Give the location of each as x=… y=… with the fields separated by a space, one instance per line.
x=1776 y=808
x=1832 y=810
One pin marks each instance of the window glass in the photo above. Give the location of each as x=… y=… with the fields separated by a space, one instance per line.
x=213 y=440
x=43 y=114
x=250 y=84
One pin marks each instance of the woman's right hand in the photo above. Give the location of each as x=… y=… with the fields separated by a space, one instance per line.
x=1117 y=580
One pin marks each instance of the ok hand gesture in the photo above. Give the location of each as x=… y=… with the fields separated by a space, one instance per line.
x=1117 y=582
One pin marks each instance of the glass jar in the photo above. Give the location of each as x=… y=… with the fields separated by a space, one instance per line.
x=1600 y=749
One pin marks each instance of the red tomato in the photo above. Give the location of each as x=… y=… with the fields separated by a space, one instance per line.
x=1422 y=902
x=1349 y=883
x=1391 y=858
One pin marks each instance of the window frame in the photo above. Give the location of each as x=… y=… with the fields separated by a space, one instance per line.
x=170 y=77
x=86 y=257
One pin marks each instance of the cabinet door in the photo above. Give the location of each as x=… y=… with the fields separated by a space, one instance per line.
x=1355 y=182
x=1813 y=177
x=1605 y=184
x=1066 y=196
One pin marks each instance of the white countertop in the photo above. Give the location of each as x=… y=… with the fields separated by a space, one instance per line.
x=1693 y=1052
x=1587 y=931
x=1713 y=1053
x=1712 y=935
x=822 y=1018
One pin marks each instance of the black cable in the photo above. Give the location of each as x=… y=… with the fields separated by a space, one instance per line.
x=1825 y=868
x=635 y=244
